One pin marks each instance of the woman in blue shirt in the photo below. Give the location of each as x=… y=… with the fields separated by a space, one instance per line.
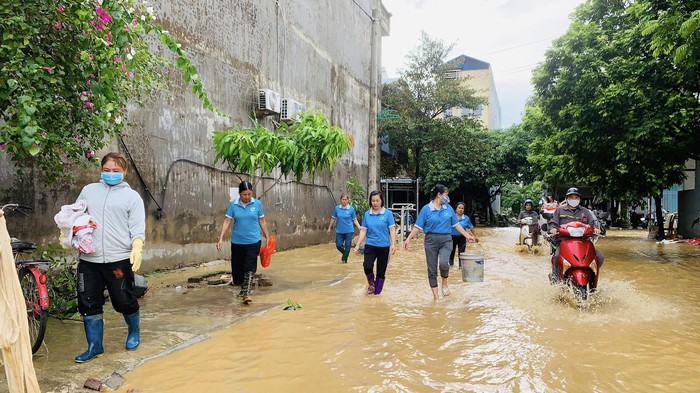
x=346 y=217
x=379 y=228
x=437 y=219
x=248 y=219
x=459 y=241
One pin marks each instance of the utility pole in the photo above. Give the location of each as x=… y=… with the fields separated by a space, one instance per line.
x=373 y=146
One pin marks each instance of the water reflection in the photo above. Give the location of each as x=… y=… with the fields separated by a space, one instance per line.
x=510 y=333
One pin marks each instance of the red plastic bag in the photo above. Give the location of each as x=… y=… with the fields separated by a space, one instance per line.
x=267 y=251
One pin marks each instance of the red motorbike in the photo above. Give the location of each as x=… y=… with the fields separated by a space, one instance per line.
x=577 y=265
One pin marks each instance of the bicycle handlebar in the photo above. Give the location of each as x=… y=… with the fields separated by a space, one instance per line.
x=15 y=207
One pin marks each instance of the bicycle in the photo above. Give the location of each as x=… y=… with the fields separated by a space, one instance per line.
x=33 y=283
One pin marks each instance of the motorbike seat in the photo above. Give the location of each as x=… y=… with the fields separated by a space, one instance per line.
x=20 y=246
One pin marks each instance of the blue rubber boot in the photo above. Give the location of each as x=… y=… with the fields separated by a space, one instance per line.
x=94 y=328
x=133 y=339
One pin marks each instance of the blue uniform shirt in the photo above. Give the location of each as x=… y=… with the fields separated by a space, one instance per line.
x=246 y=221
x=345 y=217
x=377 y=226
x=465 y=222
x=437 y=221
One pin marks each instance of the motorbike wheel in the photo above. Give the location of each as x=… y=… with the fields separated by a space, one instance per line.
x=581 y=292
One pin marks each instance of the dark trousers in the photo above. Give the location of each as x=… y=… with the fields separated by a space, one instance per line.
x=244 y=258
x=117 y=277
x=458 y=243
x=381 y=255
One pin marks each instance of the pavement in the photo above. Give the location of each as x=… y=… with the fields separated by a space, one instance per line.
x=173 y=315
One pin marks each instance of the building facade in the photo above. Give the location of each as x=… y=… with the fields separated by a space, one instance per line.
x=477 y=75
x=319 y=52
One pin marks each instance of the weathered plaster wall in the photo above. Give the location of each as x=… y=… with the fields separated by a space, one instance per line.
x=308 y=50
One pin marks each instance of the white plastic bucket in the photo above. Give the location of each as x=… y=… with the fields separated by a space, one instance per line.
x=472 y=266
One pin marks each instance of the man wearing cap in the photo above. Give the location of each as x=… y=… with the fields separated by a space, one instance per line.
x=569 y=212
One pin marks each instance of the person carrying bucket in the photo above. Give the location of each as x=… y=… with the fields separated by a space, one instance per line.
x=346 y=219
x=437 y=219
x=459 y=242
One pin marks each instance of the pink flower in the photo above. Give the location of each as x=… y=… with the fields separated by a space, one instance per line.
x=123 y=67
x=48 y=69
x=129 y=74
x=89 y=104
x=43 y=134
x=60 y=8
x=3 y=146
x=125 y=134
x=117 y=59
x=123 y=109
x=88 y=82
x=92 y=76
x=58 y=25
x=135 y=22
x=105 y=18
x=90 y=155
x=127 y=28
x=91 y=56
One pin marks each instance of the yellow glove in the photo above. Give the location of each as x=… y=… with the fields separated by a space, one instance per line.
x=63 y=241
x=136 y=251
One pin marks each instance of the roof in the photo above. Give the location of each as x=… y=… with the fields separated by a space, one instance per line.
x=466 y=63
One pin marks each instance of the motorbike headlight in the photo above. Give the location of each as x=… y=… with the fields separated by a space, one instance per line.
x=576 y=232
x=594 y=267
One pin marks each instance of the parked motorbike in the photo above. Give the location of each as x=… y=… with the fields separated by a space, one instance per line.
x=603 y=219
x=638 y=220
x=577 y=265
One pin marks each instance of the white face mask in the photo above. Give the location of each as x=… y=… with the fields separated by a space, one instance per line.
x=573 y=202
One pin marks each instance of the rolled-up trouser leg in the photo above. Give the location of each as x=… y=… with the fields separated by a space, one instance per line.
x=437 y=254
x=432 y=252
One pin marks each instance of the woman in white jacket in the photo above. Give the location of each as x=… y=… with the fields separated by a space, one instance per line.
x=118 y=240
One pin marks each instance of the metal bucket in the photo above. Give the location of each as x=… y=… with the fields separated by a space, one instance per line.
x=472 y=266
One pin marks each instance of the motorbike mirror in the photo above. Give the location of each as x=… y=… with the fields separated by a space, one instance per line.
x=545 y=227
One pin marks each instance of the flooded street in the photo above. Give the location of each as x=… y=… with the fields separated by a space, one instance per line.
x=511 y=333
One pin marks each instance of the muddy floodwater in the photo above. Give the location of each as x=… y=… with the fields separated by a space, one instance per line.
x=513 y=332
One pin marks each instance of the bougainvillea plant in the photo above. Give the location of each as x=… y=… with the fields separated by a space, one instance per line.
x=68 y=68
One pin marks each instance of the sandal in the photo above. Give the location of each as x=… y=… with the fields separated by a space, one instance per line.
x=445 y=292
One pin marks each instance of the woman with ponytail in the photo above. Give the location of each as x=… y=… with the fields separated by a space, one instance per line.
x=437 y=219
x=248 y=219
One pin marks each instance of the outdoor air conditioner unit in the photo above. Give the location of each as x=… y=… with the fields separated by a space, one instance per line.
x=290 y=108
x=269 y=101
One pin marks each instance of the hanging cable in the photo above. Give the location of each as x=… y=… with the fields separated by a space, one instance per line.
x=145 y=186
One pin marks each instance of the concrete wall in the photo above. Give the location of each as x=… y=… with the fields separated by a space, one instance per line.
x=308 y=50
x=689 y=204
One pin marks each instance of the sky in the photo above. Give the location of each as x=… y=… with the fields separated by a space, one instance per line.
x=511 y=35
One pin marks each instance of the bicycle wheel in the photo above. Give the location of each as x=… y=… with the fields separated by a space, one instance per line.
x=36 y=316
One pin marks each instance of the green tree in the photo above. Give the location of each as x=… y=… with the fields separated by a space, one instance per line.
x=420 y=96
x=608 y=111
x=68 y=69
x=477 y=161
x=310 y=145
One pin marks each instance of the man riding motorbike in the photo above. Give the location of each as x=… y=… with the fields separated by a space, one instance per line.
x=526 y=213
x=569 y=212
